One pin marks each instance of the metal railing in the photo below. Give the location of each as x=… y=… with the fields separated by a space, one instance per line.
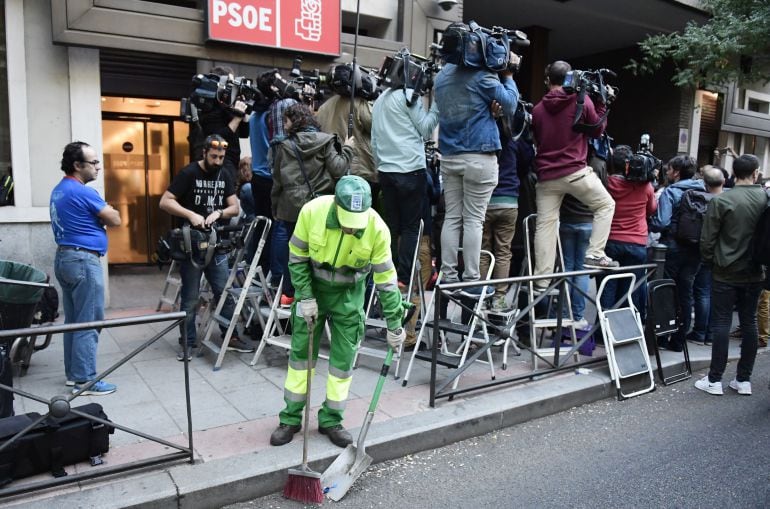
x=60 y=405
x=508 y=330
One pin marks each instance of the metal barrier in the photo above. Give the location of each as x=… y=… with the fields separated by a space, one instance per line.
x=60 y=405
x=508 y=330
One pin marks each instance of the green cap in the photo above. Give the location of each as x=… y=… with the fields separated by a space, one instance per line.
x=353 y=197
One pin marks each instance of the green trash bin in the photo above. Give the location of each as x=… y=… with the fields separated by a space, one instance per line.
x=17 y=301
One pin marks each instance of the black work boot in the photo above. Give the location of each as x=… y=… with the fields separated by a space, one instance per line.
x=283 y=434
x=338 y=435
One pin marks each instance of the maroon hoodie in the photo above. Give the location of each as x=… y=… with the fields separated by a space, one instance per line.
x=560 y=150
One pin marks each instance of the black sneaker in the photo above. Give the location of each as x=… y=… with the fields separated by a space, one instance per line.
x=338 y=435
x=283 y=434
x=236 y=344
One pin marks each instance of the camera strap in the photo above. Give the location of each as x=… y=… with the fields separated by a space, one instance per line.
x=188 y=248
x=585 y=128
x=302 y=167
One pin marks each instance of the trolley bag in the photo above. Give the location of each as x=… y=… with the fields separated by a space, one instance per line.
x=53 y=444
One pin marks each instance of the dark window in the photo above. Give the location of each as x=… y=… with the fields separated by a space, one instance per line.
x=192 y=4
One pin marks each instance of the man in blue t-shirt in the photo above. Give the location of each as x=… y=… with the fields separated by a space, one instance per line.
x=78 y=219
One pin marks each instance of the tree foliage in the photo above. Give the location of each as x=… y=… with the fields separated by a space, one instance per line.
x=733 y=45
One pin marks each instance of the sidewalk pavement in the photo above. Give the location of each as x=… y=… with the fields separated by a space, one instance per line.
x=235 y=409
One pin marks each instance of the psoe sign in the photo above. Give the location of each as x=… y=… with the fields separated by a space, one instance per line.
x=311 y=26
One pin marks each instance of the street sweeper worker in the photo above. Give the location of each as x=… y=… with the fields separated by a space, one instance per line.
x=337 y=242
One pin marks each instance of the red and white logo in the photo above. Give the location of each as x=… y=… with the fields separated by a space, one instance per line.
x=311 y=26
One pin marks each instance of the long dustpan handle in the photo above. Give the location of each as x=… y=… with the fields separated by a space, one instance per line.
x=381 y=380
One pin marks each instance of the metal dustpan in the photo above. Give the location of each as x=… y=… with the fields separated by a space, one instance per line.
x=343 y=472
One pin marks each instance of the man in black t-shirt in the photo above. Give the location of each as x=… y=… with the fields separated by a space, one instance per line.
x=202 y=194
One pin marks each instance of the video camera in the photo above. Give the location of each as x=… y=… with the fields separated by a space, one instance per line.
x=644 y=166
x=413 y=73
x=477 y=47
x=592 y=83
x=307 y=87
x=209 y=90
x=363 y=82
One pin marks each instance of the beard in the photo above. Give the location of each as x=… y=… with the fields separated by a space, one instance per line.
x=211 y=168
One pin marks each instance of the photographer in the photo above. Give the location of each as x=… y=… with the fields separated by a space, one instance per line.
x=634 y=202
x=399 y=131
x=202 y=194
x=562 y=168
x=230 y=124
x=469 y=141
x=333 y=116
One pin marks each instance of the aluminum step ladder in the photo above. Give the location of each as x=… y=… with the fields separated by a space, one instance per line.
x=377 y=325
x=538 y=326
x=469 y=333
x=238 y=294
x=172 y=288
x=625 y=342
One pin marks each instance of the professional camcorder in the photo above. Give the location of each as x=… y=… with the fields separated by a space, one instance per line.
x=644 y=166
x=306 y=86
x=474 y=46
x=413 y=73
x=209 y=90
x=591 y=83
x=363 y=82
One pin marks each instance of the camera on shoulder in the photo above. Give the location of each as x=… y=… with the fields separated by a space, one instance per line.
x=481 y=48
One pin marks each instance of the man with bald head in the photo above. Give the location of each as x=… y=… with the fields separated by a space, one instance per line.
x=714 y=180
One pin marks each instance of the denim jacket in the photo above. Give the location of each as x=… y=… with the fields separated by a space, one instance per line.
x=463 y=96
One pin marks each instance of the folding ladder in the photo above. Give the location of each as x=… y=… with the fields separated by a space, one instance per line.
x=379 y=324
x=538 y=326
x=238 y=294
x=173 y=285
x=471 y=333
x=275 y=332
x=663 y=321
x=625 y=342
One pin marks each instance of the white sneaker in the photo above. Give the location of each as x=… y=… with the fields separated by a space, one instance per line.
x=706 y=386
x=742 y=387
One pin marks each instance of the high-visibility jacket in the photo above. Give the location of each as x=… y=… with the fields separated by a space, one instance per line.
x=320 y=253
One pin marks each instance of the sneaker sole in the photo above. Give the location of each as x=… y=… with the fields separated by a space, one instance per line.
x=94 y=393
x=240 y=350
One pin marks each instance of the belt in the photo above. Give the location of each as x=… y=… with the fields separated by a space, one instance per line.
x=76 y=248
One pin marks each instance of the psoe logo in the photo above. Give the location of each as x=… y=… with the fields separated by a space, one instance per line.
x=308 y=25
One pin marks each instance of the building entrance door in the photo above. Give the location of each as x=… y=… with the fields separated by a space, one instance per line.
x=139 y=157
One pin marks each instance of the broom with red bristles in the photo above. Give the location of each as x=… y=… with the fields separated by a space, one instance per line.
x=304 y=484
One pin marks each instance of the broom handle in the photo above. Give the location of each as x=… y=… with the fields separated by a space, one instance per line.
x=311 y=339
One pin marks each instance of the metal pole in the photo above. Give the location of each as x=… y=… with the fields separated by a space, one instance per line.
x=355 y=72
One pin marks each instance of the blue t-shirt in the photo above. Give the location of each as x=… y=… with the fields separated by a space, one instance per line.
x=74 y=211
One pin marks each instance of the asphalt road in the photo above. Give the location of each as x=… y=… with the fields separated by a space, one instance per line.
x=677 y=447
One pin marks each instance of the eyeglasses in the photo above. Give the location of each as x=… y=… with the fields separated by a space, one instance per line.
x=95 y=162
x=218 y=144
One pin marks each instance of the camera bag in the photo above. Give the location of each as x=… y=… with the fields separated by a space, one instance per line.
x=53 y=444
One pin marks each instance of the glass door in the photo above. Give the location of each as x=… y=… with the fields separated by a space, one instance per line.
x=137 y=171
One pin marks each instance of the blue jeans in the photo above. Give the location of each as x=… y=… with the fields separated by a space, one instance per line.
x=701 y=292
x=216 y=273
x=279 y=255
x=681 y=265
x=626 y=253
x=725 y=296
x=574 y=244
x=404 y=196
x=82 y=282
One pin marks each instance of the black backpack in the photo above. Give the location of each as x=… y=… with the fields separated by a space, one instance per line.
x=690 y=214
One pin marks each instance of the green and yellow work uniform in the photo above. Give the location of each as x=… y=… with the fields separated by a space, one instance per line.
x=332 y=267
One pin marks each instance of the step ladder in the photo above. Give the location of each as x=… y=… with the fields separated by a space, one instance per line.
x=625 y=342
x=172 y=288
x=238 y=294
x=276 y=331
x=469 y=334
x=538 y=326
x=374 y=327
